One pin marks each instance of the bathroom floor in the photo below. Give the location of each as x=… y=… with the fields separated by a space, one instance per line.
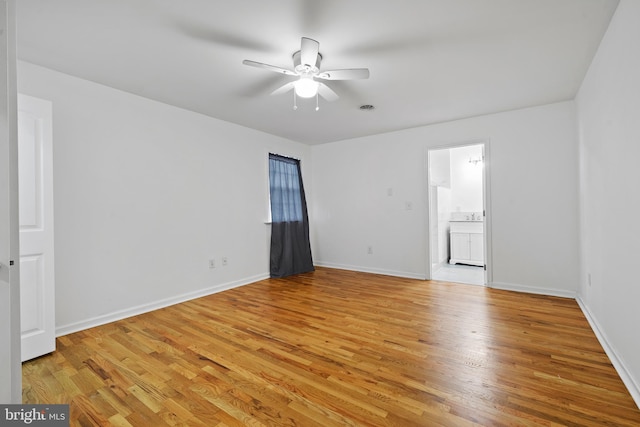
x=458 y=273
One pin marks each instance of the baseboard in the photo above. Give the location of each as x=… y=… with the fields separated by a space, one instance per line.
x=395 y=273
x=531 y=290
x=145 y=308
x=627 y=379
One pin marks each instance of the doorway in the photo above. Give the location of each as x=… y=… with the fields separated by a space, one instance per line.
x=457 y=213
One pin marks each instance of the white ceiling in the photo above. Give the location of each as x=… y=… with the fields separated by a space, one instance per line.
x=430 y=60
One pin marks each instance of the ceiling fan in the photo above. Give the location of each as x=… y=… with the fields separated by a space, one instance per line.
x=306 y=66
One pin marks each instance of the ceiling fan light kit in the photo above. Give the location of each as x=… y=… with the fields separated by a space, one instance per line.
x=306 y=63
x=306 y=87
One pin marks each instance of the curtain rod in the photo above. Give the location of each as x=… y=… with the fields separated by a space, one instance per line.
x=284 y=157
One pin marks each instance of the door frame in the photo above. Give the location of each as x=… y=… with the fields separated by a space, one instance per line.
x=10 y=367
x=486 y=201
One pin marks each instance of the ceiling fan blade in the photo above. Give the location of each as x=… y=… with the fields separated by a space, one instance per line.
x=284 y=88
x=327 y=93
x=269 y=67
x=309 y=51
x=205 y=33
x=347 y=74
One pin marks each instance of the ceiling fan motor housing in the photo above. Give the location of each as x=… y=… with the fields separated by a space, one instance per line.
x=306 y=68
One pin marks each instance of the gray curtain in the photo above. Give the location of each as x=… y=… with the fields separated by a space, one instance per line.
x=290 y=246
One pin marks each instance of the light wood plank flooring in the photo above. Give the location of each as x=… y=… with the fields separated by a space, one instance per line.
x=339 y=348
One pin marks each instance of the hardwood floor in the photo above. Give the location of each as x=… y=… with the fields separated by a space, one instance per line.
x=339 y=348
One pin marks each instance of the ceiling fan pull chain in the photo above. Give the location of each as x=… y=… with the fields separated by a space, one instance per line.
x=317 y=102
x=295 y=106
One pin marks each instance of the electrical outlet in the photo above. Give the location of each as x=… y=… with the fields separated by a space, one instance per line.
x=224 y=260
x=212 y=263
x=370 y=250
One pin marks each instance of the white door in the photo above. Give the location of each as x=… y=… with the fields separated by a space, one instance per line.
x=35 y=169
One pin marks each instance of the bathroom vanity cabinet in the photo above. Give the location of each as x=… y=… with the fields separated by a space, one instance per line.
x=467 y=242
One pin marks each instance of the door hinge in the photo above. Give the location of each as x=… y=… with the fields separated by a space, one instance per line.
x=10 y=262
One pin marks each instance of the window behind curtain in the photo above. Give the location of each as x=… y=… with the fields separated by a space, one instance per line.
x=290 y=246
x=284 y=185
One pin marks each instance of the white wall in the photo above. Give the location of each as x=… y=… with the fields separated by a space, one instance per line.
x=609 y=126
x=145 y=194
x=534 y=203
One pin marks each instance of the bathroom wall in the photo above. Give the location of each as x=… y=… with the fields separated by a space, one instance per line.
x=440 y=182
x=443 y=197
x=466 y=180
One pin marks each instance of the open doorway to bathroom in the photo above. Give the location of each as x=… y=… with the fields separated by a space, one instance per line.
x=457 y=228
